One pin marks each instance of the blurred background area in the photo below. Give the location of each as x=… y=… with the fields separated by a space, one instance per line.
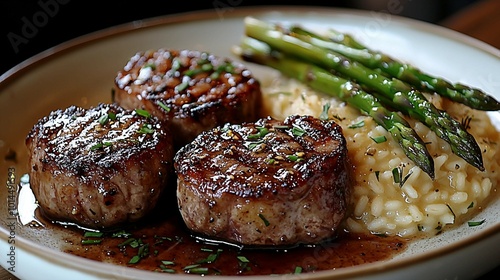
x=47 y=23
x=432 y=11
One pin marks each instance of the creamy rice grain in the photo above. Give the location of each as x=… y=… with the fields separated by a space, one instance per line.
x=380 y=205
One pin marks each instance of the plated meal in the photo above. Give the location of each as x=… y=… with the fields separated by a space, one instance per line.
x=294 y=143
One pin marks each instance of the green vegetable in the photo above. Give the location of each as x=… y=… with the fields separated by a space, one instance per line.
x=392 y=92
x=324 y=81
x=472 y=97
x=475 y=224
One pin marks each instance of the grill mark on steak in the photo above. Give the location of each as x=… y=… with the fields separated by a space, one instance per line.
x=100 y=167
x=268 y=183
x=193 y=91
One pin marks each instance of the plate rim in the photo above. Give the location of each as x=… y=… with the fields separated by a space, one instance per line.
x=239 y=12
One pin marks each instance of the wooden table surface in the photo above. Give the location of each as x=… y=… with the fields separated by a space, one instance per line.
x=480 y=21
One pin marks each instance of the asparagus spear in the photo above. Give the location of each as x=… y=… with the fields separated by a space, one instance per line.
x=472 y=97
x=323 y=81
x=394 y=92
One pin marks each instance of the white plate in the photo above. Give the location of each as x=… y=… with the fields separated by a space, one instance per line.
x=81 y=72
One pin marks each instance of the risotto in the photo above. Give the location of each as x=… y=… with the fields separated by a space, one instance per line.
x=391 y=195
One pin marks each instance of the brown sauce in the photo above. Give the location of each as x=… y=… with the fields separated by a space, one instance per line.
x=162 y=243
x=170 y=241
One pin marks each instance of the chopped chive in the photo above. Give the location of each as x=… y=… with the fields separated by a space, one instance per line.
x=298 y=131
x=176 y=64
x=280 y=127
x=93 y=234
x=135 y=259
x=121 y=233
x=167 y=262
x=191 y=266
x=146 y=129
x=242 y=259
x=396 y=174
x=182 y=86
x=96 y=146
x=379 y=139
x=357 y=125
x=293 y=157
x=166 y=269
x=112 y=116
x=103 y=119
x=91 y=241
x=252 y=145
x=143 y=113
x=127 y=242
x=135 y=243
x=476 y=223
x=262 y=131
x=377 y=174
x=163 y=106
x=198 y=270
x=470 y=205
x=266 y=222
x=298 y=270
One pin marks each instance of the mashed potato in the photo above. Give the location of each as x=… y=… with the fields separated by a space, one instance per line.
x=380 y=204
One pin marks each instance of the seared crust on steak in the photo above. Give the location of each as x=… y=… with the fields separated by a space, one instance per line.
x=193 y=91
x=99 y=167
x=268 y=183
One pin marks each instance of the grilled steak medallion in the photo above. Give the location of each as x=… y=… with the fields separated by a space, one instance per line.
x=268 y=183
x=193 y=91
x=99 y=167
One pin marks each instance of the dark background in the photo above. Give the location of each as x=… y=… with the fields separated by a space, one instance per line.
x=30 y=27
